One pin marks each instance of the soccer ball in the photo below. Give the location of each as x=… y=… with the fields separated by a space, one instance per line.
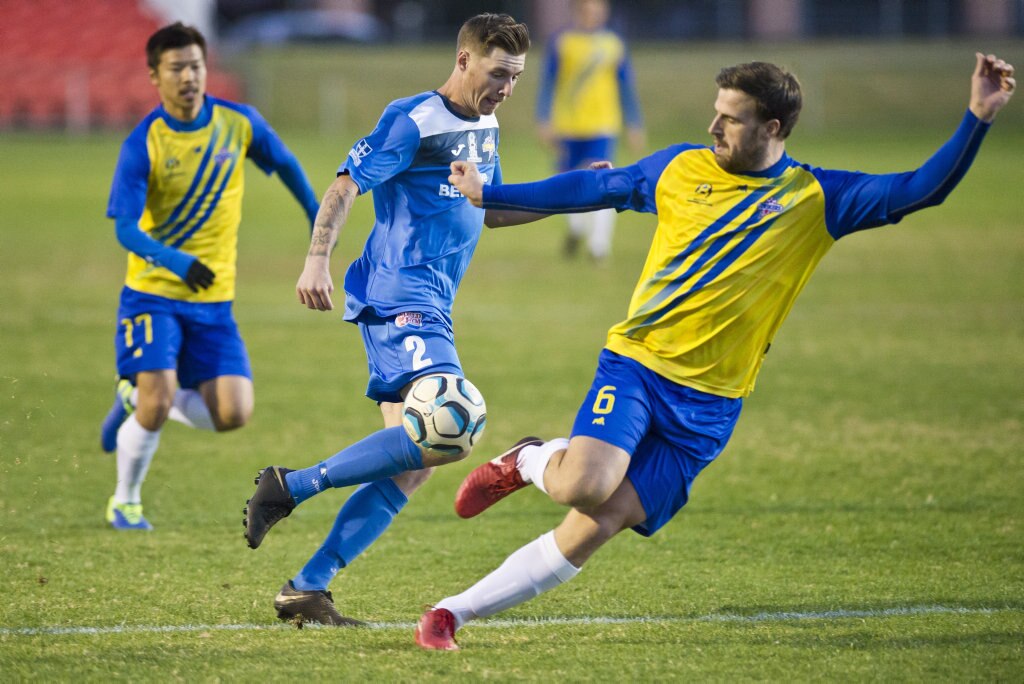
x=444 y=413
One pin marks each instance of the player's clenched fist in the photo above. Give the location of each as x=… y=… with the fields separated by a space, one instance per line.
x=466 y=178
x=315 y=285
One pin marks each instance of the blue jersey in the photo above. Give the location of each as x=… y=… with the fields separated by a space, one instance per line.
x=425 y=231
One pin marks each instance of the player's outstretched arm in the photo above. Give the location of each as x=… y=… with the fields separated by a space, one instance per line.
x=315 y=285
x=992 y=86
x=887 y=198
x=510 y=205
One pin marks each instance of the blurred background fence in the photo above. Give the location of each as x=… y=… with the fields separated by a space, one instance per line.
x=311 y=64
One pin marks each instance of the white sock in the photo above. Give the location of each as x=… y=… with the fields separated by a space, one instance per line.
x=190 y=409
x=602 y=228
x=533 y=460
x=135 y=448
x=529 y=572
x=579 y=224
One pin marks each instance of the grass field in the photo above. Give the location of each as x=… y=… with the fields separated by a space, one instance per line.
x=866 y=522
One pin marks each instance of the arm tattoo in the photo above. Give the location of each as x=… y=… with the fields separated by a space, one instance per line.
x=332 y=215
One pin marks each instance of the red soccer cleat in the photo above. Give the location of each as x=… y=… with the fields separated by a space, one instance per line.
x=436 y=630
x=491 y=482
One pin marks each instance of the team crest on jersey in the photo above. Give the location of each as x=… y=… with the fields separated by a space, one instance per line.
x=223 y=156
x=488 y=147
x=473 y=154
x=702 y=194
x=361 y=149
x=768 y=207
x=412 y=318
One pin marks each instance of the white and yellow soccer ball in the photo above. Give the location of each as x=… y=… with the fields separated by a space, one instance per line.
x=444 y=413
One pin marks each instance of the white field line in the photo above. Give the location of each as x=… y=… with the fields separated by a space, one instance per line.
x=530 y=622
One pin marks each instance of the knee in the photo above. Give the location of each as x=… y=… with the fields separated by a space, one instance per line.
x=152 y=409
x=583 y=491
x=228 y=418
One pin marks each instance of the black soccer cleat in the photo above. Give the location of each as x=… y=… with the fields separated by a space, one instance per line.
x=271 y=502
x=298 y=607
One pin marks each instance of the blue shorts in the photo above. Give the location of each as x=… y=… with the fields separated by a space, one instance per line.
x=577 y=154
x=671 y=432
x=199 y=340
x=403 y=347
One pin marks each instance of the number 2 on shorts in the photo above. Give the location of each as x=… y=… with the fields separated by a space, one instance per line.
x=416 y=345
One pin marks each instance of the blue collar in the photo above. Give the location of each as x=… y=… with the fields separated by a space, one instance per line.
x=201 y=121
x=775 y=169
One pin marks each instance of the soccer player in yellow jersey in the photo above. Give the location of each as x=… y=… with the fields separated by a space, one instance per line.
x=176 y=200
x=587 y=94
x=741 y=227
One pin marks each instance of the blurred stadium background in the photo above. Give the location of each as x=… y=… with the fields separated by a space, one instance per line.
x=78 y=66
x=877 y=467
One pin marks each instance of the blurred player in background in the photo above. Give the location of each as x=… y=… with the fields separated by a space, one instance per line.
x=399 y=292
x=176 y=201
x=587 y=93
x=741 y=227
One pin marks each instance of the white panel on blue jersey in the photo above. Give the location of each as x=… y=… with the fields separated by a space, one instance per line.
x=432 y=117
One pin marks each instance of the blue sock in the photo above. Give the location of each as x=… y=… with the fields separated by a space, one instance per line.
x=383 y=454
x=362 y=519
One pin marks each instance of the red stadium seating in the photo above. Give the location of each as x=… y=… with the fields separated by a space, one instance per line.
x=80 y=64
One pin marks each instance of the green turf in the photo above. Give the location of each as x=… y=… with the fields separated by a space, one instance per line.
x=874 y=480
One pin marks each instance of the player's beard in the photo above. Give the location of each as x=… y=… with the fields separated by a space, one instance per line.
x=739 y=159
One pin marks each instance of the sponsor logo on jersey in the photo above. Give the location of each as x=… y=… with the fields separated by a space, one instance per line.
x=413 y=318
x=768 y=207
x=361 y=149
x=445 y=190
x=457 y=151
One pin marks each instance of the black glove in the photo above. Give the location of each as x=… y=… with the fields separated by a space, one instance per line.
x=199 y=276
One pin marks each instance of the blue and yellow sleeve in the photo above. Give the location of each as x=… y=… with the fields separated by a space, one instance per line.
x=628 y=188
x=628 y=98
x=131 y=177
x=270 y=153
x=857 y=201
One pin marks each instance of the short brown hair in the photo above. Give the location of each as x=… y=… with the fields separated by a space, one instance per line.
x=172 y=37
x=775 y=90
x=484 y=32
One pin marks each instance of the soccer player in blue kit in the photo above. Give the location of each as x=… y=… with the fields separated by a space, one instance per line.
x=741 y=227
x=399 y=292
x=176 y=201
